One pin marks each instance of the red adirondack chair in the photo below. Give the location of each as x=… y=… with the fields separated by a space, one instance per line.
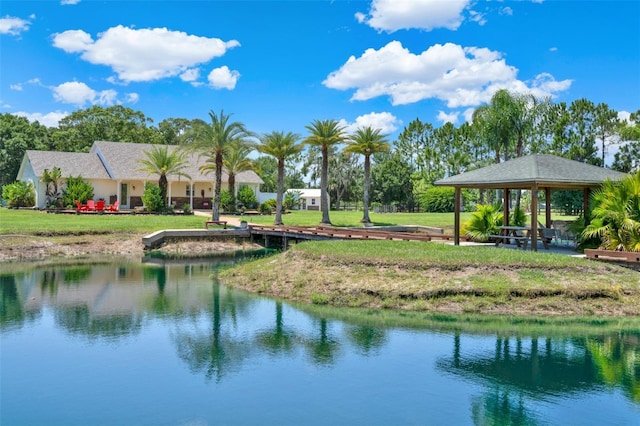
x=100 y=206
x=91 y=205
x=114 y=207
x=80 y=207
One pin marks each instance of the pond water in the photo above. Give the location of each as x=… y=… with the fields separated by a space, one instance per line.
x=167 y=344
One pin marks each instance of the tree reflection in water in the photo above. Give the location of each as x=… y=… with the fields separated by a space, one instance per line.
x=279 y=340
x=564 y=367
x=214 y=352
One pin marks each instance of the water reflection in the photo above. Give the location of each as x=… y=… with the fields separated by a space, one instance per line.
x=216 y=333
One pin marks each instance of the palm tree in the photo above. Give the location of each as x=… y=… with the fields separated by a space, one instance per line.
x=324 y=133
x=161 y=162
x=214 y=140
x=235 y=162
x=367 y=141
x=616 y=214
x=280 y=145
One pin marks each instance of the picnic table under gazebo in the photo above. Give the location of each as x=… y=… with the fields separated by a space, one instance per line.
x=536 y=172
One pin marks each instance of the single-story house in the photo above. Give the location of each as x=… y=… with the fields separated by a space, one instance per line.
x=310 y=198
x=113 y=168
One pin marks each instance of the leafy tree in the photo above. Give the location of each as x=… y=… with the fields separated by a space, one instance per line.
x=582 y=132
x=367 y=142
x=606 y=125
x=267 y=168
x=152 y=198
x=19 y=194
x=17 y=135
x=159 y=161
x=615 y=217
x=344 y=177
x=280 y=146
x=173 y=131
x=627 y=159
x=324 y=134
x=52 y=180
x=213 y=140
x=416 y=145
x=391 y=180
x=76 y=188
x=77 y=131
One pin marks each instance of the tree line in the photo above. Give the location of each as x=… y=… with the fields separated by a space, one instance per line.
x=363 y=167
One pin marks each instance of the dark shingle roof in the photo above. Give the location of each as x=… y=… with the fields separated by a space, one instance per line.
x=74 y=164
x=122 y=162
x=524 y=172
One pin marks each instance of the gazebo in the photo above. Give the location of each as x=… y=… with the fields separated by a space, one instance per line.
x=534 y=173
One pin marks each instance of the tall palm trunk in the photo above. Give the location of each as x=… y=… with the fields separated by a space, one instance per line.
x=215 y=208
x=367 y=183
x=278 y=220
x=162 y=183
x=324 y=177
x=232 y=191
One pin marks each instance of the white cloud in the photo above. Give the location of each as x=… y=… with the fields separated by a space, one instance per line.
x=143 y=54
x=192 y=74
x=79 y=94
x=223 y=78
x=553 y=49
x=69 y=2
x=16 y=87
x=385 y=121
x=73 y=41
x=50 y=119
x=477 y=17
x=506 y=11
x=131 y=98
x=451 y=117
x=393 y=15
x=459 y=76
x=12 y=25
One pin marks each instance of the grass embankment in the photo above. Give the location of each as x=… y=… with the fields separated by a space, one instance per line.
x=440 y=278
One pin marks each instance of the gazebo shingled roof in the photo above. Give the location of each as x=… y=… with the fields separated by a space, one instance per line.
x=547 y=171
x=533 y=172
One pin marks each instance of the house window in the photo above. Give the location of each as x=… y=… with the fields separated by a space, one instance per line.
x=313 y=201
x=188 y=191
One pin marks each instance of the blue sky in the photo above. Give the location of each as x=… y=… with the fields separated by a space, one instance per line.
x=278 y=65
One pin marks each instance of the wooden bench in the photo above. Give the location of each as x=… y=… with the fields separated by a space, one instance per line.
x=215 y=222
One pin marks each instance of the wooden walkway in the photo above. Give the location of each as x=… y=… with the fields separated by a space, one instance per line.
x=281 y=236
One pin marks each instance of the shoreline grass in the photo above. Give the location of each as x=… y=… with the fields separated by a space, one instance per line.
x=434 y=277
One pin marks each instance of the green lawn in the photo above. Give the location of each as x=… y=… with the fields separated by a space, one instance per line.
x=352 y=218
x=38 y=222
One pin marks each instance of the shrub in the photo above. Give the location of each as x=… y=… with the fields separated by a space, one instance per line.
x=152 y=198
x=76 y=188
x=269 y=206
x=247 y=197
x=486 y=220
x=437 y=199
x=19 y=194
x=226 y=201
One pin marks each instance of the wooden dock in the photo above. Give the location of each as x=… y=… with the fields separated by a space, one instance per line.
x=282 y=236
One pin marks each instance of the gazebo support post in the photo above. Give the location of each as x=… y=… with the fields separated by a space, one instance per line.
x=534 y=218
x=456 y=216
x=585 y=206
x=505 y=201
x=547 y=209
